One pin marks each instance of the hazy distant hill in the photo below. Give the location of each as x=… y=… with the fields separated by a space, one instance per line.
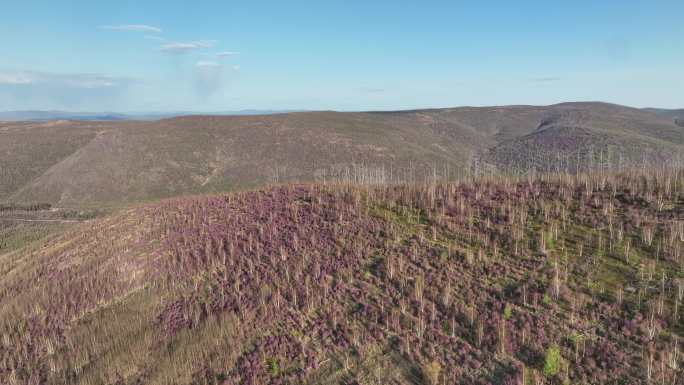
x=671 y=113
x=574 y=136
x=676 y=115
x=18 y=116
x=77 y=163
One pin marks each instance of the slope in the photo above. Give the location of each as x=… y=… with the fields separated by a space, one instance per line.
x=500 y=281
x=576 y=137
x=114 y=163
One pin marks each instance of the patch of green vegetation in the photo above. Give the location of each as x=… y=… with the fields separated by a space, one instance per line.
x=17 y=235
x=508 y=312
x=575 y=338
x=85 y=214
x=273 y=367
x=552 y=361
x=550 y=241
x=408 y=217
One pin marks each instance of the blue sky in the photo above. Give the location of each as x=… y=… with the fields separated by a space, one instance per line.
x=345 y=55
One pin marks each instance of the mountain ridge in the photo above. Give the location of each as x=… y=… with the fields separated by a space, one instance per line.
x=66 y=163
x=46 y=115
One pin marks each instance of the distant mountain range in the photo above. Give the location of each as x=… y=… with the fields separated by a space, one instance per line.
x=47 y=115
x=38 y=115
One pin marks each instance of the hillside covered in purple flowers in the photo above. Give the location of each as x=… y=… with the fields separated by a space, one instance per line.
x=554 y=279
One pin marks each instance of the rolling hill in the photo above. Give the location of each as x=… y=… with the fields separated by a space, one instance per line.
x=677 y=115
x=575 y=137
x=77 y=163
x=43 y=116
x=552 y=280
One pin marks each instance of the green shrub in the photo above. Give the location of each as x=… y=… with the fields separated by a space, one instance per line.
x=508 y=312
x=552 y=361
x=273 y=368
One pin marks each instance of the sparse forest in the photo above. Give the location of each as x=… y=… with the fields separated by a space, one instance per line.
x=341 y=192
x=546 y=279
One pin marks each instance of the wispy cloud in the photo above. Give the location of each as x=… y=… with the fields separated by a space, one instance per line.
x=132 y=28
x=16 y=78
x=226 y=54
x=65 y=89
x=80 y=80
x=208 y=78
x=180 y=47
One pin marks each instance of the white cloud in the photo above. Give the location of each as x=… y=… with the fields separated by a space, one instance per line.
x=132 y=28
x=178 y=47
x=227 y=53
